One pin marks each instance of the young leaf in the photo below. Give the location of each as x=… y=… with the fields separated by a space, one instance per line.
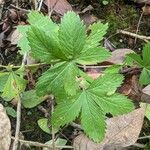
x=62 y=75
x=10 y=111
x=93 y=102
x=13 y=86
x=43 y=124
x=72 y=34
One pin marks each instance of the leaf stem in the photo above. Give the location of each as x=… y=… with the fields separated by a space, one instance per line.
x=29 y=66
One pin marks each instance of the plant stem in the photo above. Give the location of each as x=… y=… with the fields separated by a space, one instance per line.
x=29 y=66
x=18 y=122
x=37 y=144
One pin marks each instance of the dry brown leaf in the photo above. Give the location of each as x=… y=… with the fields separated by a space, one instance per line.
x=146 y=10
x=88 y=18
x=5 y=130
x=118 y=56
x=121 y=132
x=146 y=94
x=143 y=1
x=59 y=6
x=14 y=37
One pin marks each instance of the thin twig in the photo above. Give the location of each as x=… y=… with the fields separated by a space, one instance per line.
x=18 y=121
x=2 y=2
x=50 y=10
x=28 y=66
x=138 y=26
x=76 y=125
x=139 y=145
x=37 y=144
x=142 y=37
x=144 y=137
x=94 y=67
x=21 y=9
x=40 y=5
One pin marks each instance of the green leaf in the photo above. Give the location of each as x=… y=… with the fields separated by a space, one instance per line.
x=10 y=111
x=62 y=75
x=135 y=58
x=145 y=77
x=113 y=69
x=3 y=79
x=105 y=2
x=98 y=30
x=30 y=99
x=106 y=83
x=13 y=86
x=146 y=54
x=67 y=111
x=41 y=22
x=93 y=56
x=144 y=63
x=23 y=43
x=93 y=102
x=43 y=124
x=92 y=119
x=41 y=45
x=37 y=19
x=72 y=34
x=147 y=113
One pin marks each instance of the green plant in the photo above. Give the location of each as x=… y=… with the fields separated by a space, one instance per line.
x=65 y=46
x=143 y=62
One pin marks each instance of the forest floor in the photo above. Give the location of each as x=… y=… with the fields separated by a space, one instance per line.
x=121 y=15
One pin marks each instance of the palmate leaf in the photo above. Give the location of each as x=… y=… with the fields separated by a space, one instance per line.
x=143 y=63
x=62 y=75
x=93 y=106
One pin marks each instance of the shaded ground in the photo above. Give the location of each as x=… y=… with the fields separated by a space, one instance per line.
x=119 y=15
